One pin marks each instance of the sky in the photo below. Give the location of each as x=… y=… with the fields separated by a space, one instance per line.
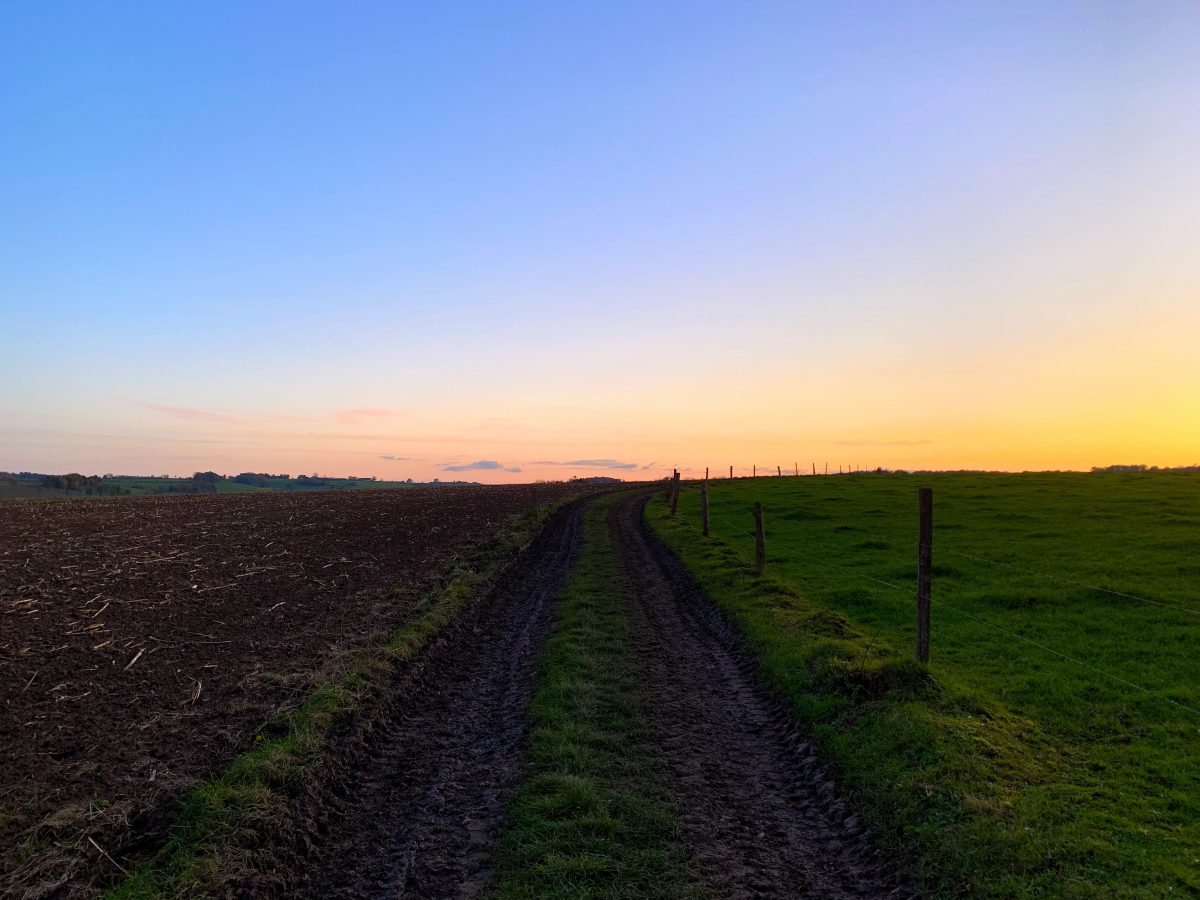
x=508 y=242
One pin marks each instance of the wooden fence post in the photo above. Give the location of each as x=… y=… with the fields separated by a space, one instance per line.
x=754 y=471
x=731 y=473
x=796 y=466
x=760 y=540
x=814 y=468
x=706 y=474
x=779 y=471
x=674 y=493
x=704 y=505
x=924 y=571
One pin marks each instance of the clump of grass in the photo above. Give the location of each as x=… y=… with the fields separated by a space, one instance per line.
x=1002 y=770
x=221 y=832
x=595 y=816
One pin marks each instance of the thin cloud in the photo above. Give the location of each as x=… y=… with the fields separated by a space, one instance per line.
x=589 y=463
x=648 y=466
x=883 y=443
x=395 y=458
x=480 y=465
x=500 y=425
x=190 y=413
x=362 y=414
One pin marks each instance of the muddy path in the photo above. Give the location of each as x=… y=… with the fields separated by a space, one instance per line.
x=760 y=816
x=421 y=810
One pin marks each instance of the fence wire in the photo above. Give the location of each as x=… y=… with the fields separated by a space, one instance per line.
x=1059 y=578
x=1079 y=662
x=911 y=591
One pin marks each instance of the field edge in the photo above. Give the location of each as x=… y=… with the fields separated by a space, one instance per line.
x=230 y=825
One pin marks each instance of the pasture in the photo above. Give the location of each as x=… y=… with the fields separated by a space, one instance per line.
x=1052 y=743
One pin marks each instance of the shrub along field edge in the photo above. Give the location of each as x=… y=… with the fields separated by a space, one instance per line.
x=947 y=780
x=223 y=829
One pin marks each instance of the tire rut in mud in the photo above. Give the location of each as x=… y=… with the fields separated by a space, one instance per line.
x=760 y=816
x=420 y=812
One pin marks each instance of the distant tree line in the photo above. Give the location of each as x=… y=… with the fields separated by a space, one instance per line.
x=258 y=479
x=1141 y=468
x=84 y=484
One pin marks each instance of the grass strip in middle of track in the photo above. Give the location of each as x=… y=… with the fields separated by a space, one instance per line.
x=595 y=816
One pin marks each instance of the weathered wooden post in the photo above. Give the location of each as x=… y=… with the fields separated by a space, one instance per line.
x=924 y=571
x=796 y=466
x=731 y=473
x=674 y=493
x=760 y=540
x=814 y=469
x=754 y=471
x=704 y=505
x=779 y=471
x=706 y=474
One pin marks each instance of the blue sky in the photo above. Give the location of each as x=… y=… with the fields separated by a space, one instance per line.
x=518 y=232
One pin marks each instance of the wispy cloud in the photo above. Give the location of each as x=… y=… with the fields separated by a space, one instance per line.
x=588 y=463
x=480 y=465
x=395 y=458
x=648 y=466
x=882 y=443
x=500 y=425
x=191 y=414
x=359 y=415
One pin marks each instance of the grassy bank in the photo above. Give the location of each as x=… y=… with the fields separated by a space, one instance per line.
x=221 y=833
x=594 y=817
x=1051 y=747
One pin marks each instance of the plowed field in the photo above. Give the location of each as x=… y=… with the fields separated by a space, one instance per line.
x=146 y=641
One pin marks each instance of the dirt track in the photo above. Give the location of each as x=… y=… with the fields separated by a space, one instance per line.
x=427 y=801
x=760 y=816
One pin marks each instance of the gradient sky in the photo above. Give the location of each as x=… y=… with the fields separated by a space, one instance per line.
x=391 y=239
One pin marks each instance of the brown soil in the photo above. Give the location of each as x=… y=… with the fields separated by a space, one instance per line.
x=760 y=815
x=145 y=641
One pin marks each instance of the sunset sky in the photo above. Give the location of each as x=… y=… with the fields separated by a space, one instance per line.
x=506 y=242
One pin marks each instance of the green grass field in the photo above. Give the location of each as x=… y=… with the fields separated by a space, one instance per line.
x=1053 y=746
x=141 y=486
x=29 y=486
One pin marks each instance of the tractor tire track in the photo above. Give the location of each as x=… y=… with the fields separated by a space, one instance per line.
x=760 y=816
x=419 y=814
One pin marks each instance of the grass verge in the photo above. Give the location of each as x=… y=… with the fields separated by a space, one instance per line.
x=1005 y=772
x=595 y=816
x=223 y=828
